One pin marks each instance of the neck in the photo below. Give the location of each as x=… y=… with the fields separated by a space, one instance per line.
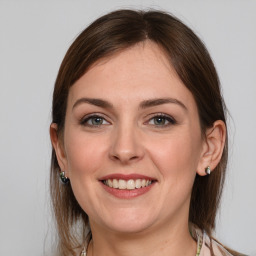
x=166 y=240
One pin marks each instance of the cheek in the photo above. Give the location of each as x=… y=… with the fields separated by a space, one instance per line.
x=177 y=155
x=85 y=159
x=84 y=153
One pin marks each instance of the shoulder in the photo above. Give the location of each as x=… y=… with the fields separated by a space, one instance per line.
x=206 y=245
x=219 y=249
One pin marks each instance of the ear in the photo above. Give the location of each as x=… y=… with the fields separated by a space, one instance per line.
x=57 y=143
x=213 y=146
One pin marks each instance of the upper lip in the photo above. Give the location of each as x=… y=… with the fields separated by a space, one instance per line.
x=132 y=176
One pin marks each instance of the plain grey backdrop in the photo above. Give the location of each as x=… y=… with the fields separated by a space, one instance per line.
x=34 y=36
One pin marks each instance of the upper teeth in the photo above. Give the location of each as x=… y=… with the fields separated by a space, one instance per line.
x=127 y=184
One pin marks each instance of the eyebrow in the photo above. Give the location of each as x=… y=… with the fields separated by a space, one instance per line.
x=96 y=102
x=144 y=104
x=161 y=101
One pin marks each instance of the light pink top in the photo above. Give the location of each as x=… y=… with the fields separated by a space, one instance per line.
x=209 y=247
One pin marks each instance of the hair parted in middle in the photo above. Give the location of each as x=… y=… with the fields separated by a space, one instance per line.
x=109 y=35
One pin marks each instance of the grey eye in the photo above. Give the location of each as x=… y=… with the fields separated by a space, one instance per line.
x=162 y=120
x=159 y=120
x=96 y=120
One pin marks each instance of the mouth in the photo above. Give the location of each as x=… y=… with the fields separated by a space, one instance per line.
x=127 y=186
x=130 y=184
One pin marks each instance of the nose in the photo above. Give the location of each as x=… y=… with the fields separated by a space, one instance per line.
x=126 y=145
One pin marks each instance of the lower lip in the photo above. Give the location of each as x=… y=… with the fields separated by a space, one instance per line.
x=126 y=193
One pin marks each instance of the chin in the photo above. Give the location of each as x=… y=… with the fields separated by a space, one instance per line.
x=129 y=221
x=128 y=227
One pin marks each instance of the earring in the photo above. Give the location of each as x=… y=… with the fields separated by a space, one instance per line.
x=208 y=170
x=83 y=253
x=63 y=178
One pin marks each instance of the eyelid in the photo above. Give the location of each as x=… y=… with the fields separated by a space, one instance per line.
x=87 y=117
x=169 y=118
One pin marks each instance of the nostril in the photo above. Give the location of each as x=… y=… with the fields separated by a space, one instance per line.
x=125 y=158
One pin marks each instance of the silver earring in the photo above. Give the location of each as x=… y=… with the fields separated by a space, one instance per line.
x=63 y=178
x=208 y=170
x=83 y=253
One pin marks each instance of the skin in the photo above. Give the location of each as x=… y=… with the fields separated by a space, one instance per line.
x=129 y=140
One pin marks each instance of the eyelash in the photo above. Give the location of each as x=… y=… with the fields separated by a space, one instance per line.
x=171 y=121
x=84 y=121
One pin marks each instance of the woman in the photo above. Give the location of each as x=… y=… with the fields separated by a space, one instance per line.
x=139 y=140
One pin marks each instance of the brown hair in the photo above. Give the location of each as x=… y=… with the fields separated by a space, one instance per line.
x=113 y=33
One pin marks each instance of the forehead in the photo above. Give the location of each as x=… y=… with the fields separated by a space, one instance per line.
x=141 y=71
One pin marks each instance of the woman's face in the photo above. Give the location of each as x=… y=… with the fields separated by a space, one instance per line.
x=131 y=122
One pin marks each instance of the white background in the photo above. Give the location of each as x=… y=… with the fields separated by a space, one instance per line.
x=34 y=37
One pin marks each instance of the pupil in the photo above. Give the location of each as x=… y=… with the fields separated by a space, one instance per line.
x=159 y=120
x=97 y=120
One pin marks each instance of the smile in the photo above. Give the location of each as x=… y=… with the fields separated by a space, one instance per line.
x=127 y=184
